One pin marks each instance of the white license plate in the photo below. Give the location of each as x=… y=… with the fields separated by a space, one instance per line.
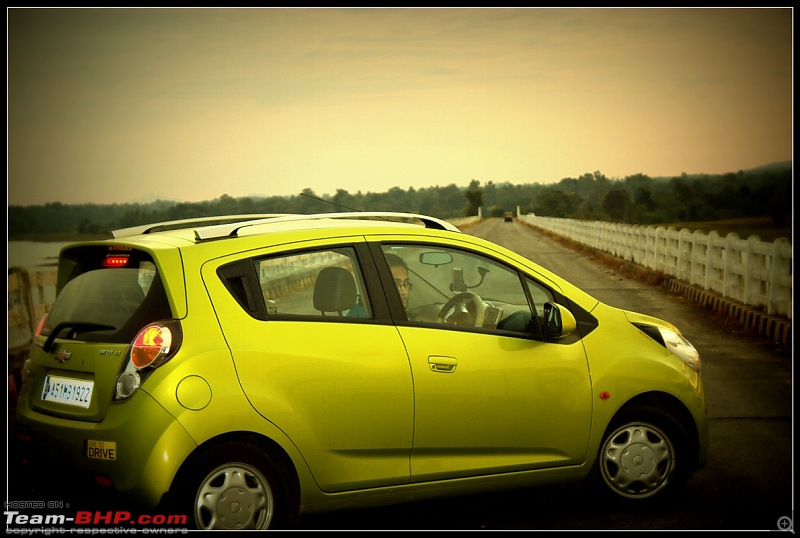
x=77 y=392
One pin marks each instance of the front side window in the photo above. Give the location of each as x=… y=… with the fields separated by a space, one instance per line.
x=540 y=295
x=458 y=287
x=325 y=283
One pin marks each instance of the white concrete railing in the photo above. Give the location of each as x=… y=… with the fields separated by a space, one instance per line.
x=463 y=221
x=751 y=271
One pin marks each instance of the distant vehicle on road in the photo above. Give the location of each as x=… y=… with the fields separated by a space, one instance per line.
x=509 y=217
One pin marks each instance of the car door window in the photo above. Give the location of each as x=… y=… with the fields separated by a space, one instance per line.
x=326 y=283
x=458 y=288
x=539 y=294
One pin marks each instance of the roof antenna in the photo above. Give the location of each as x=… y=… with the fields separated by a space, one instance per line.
x=340 y=205
x=329 y=202
x=426 y=220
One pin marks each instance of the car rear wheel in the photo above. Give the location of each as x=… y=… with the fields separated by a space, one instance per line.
x=642 y=455
x=231 y=487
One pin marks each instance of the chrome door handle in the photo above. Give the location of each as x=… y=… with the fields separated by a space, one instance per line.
x=440 y=363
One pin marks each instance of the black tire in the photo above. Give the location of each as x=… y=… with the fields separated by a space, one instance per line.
x=232 y=486
x=643 y=456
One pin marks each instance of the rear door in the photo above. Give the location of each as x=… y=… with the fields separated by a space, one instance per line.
x=323 y=362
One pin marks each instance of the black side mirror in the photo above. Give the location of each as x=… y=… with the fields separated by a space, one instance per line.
x=558 y=321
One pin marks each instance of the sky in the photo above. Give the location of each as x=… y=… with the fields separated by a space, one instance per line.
x=131 y=105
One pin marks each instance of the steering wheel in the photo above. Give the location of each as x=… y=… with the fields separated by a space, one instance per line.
x=461 y=314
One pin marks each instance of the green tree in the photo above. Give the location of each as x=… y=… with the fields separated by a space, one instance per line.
x=309 y=203
x=343 y=201
x=557 y=203
x=474 y=197
x=644 y=196
x=617 y=204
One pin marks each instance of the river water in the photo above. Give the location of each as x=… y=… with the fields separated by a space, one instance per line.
x=34 y=255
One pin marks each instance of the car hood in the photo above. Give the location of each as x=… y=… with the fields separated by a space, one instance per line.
x=636 y=317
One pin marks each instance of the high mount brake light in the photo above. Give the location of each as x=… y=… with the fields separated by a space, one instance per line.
x=115 y=261
x=150 y=345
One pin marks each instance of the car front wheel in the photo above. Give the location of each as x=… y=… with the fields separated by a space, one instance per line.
x=642 y=455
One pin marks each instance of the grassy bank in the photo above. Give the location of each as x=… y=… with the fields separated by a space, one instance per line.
x=763 y=227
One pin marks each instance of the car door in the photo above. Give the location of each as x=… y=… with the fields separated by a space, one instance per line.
x=322 y=366
x=493 y=398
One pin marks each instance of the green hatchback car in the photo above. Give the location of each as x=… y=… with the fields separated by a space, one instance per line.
x=242 y=370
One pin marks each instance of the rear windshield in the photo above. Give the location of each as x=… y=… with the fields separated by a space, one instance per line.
x=106 y=294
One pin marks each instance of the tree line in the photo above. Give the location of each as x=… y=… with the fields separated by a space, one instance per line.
x=636 y=199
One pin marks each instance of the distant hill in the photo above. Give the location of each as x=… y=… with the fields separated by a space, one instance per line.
x=774 y=167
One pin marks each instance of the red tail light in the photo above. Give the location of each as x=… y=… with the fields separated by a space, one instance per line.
x=153 y=346
x=150 y=345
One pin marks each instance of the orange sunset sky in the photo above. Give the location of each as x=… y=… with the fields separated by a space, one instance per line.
x=121 y=105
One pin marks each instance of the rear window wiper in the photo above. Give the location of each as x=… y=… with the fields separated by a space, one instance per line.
x=74 y=327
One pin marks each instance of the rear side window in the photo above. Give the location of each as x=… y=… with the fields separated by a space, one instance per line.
x=325 y=283
x=106 y=295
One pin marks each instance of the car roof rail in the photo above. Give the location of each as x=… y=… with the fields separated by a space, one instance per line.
x=191 y=223
x=232 y=229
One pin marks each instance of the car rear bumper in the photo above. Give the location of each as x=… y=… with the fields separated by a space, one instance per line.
x=135 y=451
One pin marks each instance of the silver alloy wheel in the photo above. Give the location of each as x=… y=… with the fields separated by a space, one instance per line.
x=637 y=460
x=234 y=496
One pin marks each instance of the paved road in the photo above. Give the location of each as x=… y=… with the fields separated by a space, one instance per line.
x=748 y=483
